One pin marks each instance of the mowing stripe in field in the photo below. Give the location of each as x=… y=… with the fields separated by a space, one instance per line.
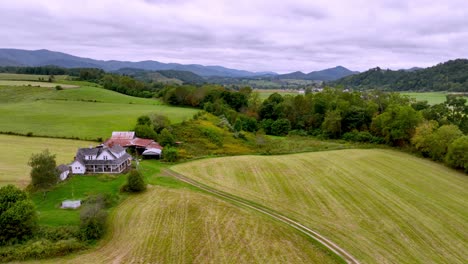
x=382 y=206
x=182 y=226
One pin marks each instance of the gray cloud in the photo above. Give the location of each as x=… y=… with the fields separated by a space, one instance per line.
x=254 y=35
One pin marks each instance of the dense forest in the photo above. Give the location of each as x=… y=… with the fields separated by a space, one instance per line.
x=438 y=131
x=155 y=76
x=449 y=76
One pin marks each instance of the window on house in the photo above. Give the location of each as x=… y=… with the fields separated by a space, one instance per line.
x=105 y=157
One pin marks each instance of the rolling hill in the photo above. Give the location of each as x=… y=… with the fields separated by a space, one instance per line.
x=17 y=57
x=164 y=76
x=323 y=75
x=414 y=212
x=449 y=76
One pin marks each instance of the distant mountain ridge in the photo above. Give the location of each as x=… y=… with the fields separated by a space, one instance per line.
x=330 y=74
x=17 y=57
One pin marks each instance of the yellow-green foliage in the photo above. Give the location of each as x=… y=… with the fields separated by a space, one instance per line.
x=203 y=137
x=182 y=226
x=382 y=206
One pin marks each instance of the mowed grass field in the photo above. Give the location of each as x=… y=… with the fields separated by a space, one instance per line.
x=431 y=97
x=165 y=225
x=382 y=206
x=265 y=93
x=29 y=77
x=36 y=84
x=16 y=152
x=85 y=112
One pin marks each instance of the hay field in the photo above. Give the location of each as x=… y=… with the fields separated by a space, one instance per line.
x=183 y=226
x=29 y=77
x=16 y=152
x=382 y=206
x=35 y=84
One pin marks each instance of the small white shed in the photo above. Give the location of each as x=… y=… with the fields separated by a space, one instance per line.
x=71 y=204
x=64 y=170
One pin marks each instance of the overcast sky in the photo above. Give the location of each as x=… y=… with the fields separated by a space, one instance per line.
x=255 y=35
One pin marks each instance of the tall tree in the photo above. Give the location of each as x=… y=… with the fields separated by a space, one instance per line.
x=43 y=170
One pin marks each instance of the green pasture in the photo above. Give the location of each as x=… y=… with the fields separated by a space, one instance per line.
x=75 y=188
x=431 y=97
x=85 y=113
x=35 y=84
x=17 y=150
x=167 y=225
x=382 y=206
x=29 y=77
x=265 y=93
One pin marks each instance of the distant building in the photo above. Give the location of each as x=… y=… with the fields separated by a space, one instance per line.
x=101 y=159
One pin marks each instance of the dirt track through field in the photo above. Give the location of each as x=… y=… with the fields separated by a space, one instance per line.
x=244 y=203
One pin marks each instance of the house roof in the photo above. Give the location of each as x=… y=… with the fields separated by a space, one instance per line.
x=154 y=145
x=116 y=148
x=62 y=167
x=141 y=142
x=116 y=161
x=88 y=151
x=136 y=142
x=80 y=156
x=123 y=135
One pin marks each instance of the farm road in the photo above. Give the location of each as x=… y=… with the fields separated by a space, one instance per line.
x=245 y=203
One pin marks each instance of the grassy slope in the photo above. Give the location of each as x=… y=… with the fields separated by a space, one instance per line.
x=16 y=152
x=431 y=97
x=33 y=83
x=382 y=206
x=69 y=113
x=78 y=187
x=182 y=226
x=29 y=77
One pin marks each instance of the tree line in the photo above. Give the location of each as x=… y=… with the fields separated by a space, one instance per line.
x=448 y=76
x=373 y=116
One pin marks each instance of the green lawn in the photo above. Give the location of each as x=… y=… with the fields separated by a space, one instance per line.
x=16 y=152
x=265 y=93
x=29 y=77
x=35 y=84
x=85 y=113
x=166 y=225
x=77 y=187
x=431 y=97
x=382 y=206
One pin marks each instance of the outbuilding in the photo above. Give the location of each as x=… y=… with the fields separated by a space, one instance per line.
x=64 y=170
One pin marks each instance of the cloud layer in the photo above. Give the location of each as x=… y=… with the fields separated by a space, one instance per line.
x=254 y=35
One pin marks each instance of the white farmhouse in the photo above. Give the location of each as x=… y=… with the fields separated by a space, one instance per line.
x=101 y=159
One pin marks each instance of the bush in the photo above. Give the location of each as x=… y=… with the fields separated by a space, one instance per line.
x=39 y=249
x=170 y=154
x=457 y=154
x=92 y=222
x=58 y=88
x=165 y=138
x=57 y=233
x=280 y=127
x=18 y=217
x=135 y=182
